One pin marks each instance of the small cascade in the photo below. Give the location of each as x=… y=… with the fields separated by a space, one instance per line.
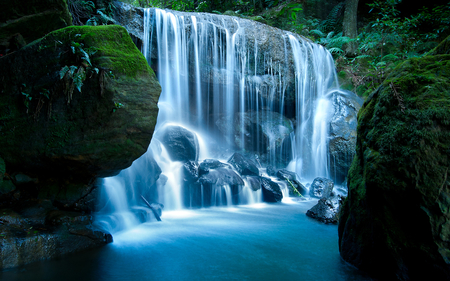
x=236 y=87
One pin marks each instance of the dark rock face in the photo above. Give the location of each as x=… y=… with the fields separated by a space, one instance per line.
x=244 y=166
x=326 y=210
x=271 y=191
x=181 y=144
x=27 y=20
x=396 y=216
x=41 y=232
x=342 y=141
x=321 y=187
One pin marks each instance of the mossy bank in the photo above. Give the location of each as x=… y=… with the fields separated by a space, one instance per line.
x=395 y=221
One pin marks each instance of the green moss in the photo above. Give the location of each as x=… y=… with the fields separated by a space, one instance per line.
x=397 y=181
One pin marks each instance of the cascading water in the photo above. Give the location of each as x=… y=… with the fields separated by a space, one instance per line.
x=237 y=87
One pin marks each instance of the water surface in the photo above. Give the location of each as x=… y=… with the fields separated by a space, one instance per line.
x=258 y=242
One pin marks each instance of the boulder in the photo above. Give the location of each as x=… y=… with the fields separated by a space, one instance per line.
x=181 y=144
x=342 y=141
x=244 y=166
x=326 y=210
x=321 y=188
x=27 y=20
x=398 y=205
x=221 y=176
x=211 y=164
x=294 y=186
x=190 y=171
x=271 y=191
x=253 y=182
x=85 y=115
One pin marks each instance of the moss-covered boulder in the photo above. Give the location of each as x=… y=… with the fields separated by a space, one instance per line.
x=32 y=19
x=395 y=222
x=82 y=102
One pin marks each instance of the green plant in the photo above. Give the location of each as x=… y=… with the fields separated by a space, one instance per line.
x=293 y=187
x=117 y=105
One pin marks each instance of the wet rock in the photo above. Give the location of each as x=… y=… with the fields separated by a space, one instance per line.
x=321 y=187
x=271 y=191
x=244 y=166
x=326 y=210
x=221 y=176
x=211 y=164
x=342 y=142
x=294 y=186
x=190 y=171
x=254 y=182
x=181 y=144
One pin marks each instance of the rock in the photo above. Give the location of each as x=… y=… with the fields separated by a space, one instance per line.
x=321 y=188
x=294 y=186
x=28 y=20
x=52 y=128
x=326 y=210
x=244 y=166
x=221 y=176
x=190 y=171
x=181 y=144
x=254 y=182
x=271 y=191
x=29 y=237
x=271 y=171
x=262 y=131
x=210 y=164
x=399 y=191
x=342 y=140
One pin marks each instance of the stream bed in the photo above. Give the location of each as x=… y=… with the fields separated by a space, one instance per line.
x=253 y=242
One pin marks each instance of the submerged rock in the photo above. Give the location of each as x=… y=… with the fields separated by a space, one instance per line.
x=395 y=221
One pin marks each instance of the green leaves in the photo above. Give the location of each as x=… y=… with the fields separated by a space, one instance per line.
x=291 y=11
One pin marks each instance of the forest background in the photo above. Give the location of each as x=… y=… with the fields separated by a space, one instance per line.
x=367 y=38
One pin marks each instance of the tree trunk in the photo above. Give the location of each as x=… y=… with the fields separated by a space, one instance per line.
x=350 y=25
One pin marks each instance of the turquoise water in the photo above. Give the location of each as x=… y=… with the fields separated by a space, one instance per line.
x=258 y=242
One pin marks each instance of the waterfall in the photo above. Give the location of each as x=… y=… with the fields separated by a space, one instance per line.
x=237 y=87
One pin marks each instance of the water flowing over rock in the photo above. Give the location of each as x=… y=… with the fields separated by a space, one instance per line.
x=241 y=87
x=398 y=202
x=243 y=165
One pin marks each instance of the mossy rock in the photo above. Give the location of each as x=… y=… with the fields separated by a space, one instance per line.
x=394 y=221
x=47 y=129
x=32 y=19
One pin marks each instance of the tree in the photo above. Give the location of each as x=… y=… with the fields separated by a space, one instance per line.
x=349 y=27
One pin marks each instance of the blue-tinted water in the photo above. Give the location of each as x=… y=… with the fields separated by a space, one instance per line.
x=262 y=242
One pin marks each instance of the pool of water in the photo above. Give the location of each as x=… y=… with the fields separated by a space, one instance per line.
x=257 y=242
